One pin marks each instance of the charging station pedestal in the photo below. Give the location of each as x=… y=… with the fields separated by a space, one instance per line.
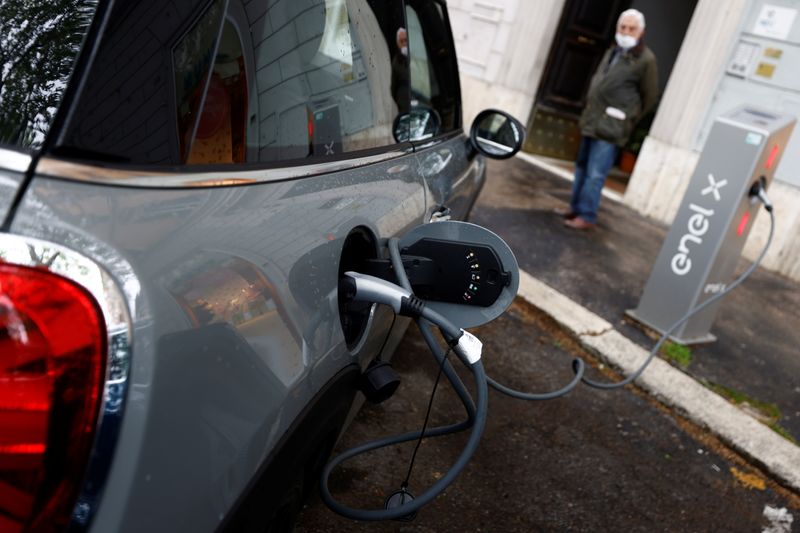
x=701 y=250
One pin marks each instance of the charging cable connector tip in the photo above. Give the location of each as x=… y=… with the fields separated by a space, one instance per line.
x=758 y=192
x=469 y=346
x=764 y=199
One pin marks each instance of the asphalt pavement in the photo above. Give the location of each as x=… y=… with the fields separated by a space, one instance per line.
x=593 y=460
x=756 y=355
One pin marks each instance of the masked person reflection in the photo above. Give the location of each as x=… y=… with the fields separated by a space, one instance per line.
x=622 y=90
x=400 y=72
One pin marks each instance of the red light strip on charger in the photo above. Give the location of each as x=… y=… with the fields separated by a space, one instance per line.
x=743 y=223
x=772 y=156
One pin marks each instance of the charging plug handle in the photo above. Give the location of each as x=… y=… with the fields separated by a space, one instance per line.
x=359 y=287
x=759 y=191
x=365 y=288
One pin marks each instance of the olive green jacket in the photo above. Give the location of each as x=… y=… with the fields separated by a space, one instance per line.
x=629 y=88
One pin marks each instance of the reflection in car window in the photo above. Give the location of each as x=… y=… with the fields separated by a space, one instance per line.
x=191 y=59
x=434 y=75
x=220 y=134
x=39 y=42
x=181 y=83
x=421 y=77
x=323 y=79
x=127 y=111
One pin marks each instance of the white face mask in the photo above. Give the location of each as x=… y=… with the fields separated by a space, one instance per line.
x=404 y=50
x=626 y=42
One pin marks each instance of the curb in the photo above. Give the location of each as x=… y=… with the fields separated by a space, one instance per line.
x=669 y=385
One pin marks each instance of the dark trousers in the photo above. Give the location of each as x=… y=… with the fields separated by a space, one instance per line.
x=595 y=159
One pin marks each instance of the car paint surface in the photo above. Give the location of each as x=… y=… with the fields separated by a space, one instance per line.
x=229 y=272
x=207 y=403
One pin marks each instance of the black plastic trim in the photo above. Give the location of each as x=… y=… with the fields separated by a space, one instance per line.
x=313 y=432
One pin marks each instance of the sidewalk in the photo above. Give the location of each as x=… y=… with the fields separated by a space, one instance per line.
x=756 y=358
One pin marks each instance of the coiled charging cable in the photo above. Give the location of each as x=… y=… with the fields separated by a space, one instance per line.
x=381 y=291
x=476 y=414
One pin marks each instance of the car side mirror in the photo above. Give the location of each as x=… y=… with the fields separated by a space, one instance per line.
x=496 y=134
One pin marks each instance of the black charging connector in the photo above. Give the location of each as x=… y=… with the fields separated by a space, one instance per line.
x=445 y=271
x=759 y=191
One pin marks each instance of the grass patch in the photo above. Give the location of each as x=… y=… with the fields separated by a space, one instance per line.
x=769 y=413
x=677 y=353
x=780 y=430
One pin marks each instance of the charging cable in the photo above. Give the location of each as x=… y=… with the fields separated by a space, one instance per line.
x=578 y=364
x=401 y=504
x=757 y=193
x=760 y=195
x=361 y=287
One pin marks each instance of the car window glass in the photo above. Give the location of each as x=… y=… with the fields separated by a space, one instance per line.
x=220 y=133
x=185 y=83
x=128 y=111
x=420 y=66
x=192 y=59
x=324 y=78
x=39 y=43
x=435 y=105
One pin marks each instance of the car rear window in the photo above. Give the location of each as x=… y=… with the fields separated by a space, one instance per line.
x=195 y=83
x=39 y=43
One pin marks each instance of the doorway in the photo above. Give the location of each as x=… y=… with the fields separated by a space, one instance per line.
x=585 y=31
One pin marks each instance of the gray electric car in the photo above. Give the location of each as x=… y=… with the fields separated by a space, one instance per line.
x=182 y=185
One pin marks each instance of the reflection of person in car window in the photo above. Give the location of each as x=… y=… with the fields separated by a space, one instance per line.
x=400 y=72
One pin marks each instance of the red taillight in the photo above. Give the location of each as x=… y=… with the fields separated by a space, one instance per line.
x=52 y=369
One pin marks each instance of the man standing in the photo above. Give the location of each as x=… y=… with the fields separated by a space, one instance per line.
x=622 y=90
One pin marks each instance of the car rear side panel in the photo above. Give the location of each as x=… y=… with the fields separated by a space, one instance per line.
x=232 y=292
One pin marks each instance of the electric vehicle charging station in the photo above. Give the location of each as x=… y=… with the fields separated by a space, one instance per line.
x=455 y=275
x=441 y=261
x=711 y=226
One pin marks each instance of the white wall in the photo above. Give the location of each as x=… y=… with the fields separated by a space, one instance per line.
x=502 y=48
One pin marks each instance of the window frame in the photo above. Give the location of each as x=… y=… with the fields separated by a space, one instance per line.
x=459 y=129
x=212 y=176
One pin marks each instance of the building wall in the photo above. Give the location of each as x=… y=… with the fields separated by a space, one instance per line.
x=502 y=48
x=670 y=153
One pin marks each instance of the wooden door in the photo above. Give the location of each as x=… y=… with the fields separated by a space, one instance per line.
x=586 y=30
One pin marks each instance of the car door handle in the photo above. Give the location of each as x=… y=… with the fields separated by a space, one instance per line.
x=441 y=214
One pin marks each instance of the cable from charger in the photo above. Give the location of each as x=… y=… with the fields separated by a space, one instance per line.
x=578 y=365
x=381 y=291
x=735 y=283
